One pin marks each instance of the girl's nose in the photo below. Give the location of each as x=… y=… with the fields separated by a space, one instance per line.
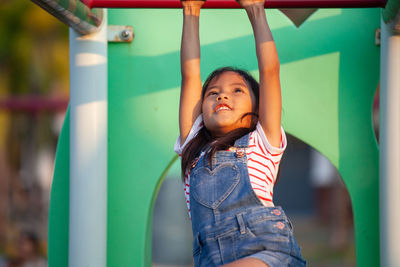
x=221 y=96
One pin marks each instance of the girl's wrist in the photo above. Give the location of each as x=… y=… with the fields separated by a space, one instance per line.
x=255 y=10
x=247 y=3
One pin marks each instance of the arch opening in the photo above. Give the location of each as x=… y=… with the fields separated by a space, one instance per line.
x=316 y=200
x=310 y=190
x=172 y=234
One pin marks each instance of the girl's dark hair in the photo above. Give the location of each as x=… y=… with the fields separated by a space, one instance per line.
x=204 y=138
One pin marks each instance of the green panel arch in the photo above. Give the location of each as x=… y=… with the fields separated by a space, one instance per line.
x=329 y=73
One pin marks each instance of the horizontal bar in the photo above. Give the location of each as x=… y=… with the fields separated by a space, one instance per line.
x=391 y=14
x=228 y=4
x=74 y=14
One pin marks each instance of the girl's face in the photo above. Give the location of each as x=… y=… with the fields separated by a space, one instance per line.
x=227 y=98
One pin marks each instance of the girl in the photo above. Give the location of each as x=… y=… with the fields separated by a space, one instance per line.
x=231 y=142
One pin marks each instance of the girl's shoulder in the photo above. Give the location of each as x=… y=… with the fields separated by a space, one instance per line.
x=197 y=125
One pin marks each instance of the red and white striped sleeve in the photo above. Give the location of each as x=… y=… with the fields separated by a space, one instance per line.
x=271 y=150
x=263 y=164
x=186 y=190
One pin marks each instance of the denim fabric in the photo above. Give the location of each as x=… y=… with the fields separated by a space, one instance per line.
x=229 y=222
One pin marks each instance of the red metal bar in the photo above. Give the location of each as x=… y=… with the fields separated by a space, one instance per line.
x=232 y=4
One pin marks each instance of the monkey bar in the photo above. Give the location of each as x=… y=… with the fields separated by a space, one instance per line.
x=228 y=4
x=73 y=13
x=391 y=14
x=82 y=17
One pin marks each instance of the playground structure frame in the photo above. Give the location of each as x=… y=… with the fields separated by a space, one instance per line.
x=389 y=126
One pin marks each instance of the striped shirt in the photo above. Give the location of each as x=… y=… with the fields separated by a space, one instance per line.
x=262 y=162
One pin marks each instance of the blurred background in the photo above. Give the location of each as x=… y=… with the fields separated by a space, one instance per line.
x=33 y=100
x=34 y=94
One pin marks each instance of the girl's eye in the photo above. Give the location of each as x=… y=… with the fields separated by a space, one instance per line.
x=238 y=90
x=212 y=93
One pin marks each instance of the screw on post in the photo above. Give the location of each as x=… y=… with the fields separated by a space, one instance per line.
x=125 y=34
x=120 y=33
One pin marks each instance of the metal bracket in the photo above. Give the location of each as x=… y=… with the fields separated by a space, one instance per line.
x=120 y=34
x=378 y=37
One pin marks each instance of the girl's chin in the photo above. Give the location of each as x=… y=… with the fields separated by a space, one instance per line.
x=221 y=131
x=222 y=127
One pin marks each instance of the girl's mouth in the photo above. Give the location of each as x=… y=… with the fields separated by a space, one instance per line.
x=221 y=107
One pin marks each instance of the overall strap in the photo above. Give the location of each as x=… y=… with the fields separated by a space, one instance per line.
x=243 y=141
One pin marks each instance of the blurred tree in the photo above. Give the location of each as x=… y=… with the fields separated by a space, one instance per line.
x=33 y=61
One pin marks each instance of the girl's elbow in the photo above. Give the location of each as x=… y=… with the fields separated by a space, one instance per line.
x=271 y=69
x=270 y=65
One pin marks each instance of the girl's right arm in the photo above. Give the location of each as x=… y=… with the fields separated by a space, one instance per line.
x=190 y=99
x=270 y=103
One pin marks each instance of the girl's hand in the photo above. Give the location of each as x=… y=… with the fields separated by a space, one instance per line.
x=246 y=3
x=192 y=7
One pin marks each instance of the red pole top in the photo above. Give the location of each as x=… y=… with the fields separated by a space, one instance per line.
x=232 y=3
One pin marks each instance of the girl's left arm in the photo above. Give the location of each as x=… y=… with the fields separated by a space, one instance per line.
x=270 y=105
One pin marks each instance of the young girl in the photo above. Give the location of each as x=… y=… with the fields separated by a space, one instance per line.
x=231 y=143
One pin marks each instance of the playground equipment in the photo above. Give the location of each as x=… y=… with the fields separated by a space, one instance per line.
x=101 y=203
x=233 y=4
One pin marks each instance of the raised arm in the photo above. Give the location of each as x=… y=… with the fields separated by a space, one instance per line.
x=270 y=105
x=190 y=100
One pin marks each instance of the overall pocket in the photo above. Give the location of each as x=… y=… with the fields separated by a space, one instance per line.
x=211 y=187
x=271 y=234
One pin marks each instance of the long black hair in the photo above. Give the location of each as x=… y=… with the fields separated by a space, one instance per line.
x=205 y=138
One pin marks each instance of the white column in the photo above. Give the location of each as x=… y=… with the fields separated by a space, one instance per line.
x=88 y=149
x=389 y=132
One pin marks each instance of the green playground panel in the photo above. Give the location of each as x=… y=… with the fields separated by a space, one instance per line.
x=329 y=73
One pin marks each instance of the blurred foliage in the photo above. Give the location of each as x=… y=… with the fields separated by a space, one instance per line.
x=33 y=55
x=33 y=50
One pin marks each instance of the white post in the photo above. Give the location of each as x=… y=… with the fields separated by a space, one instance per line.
x=389 y=132
x=88 y=149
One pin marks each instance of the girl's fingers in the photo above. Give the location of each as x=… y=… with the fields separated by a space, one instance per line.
x=245 y=3
x=192 y=3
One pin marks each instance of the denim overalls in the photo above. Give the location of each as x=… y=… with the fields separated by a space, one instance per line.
x=229 y=222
